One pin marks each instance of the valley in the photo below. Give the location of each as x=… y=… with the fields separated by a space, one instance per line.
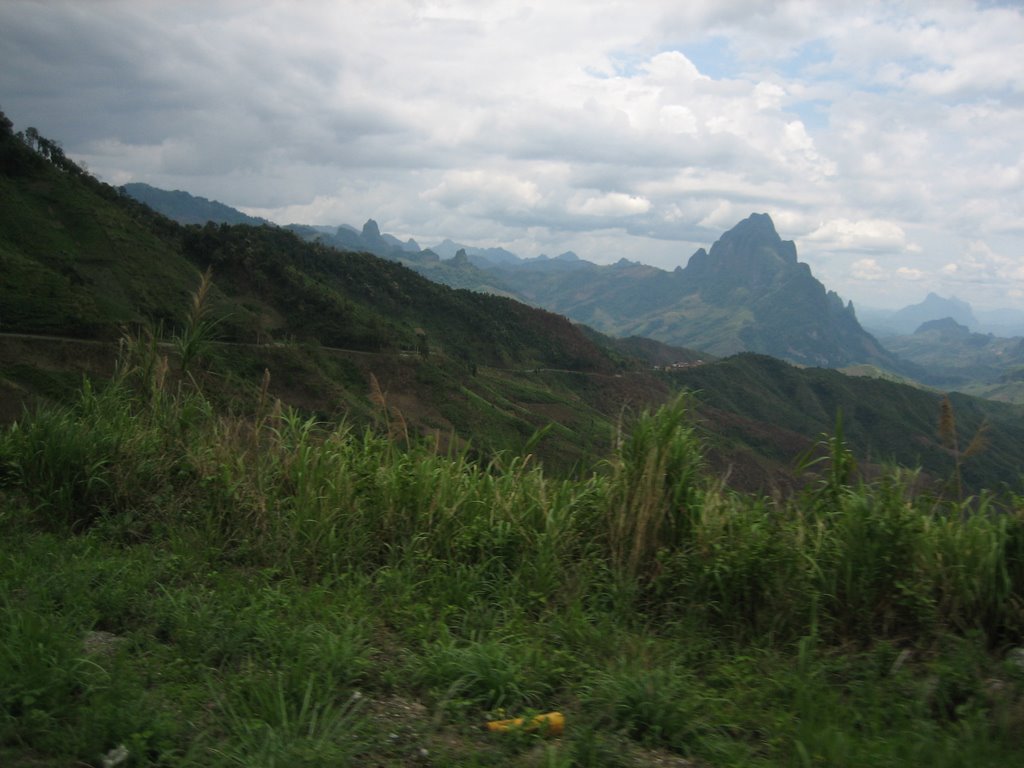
x=270 y=496
x=456 y=362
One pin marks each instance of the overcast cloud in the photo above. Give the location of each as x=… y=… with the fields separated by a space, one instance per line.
x=885 y=138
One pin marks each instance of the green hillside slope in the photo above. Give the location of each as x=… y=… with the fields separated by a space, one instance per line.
x=346 y=335
x=79 y=259
x=75 y=261
x=884 y=422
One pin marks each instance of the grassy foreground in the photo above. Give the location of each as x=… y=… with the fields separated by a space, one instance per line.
x=181 y=586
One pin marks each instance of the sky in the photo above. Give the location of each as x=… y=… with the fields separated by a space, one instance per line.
x=885 y=138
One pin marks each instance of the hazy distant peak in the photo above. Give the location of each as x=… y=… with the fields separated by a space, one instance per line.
x=756 y=226
x=186 y=208
x=481 y=257
x=699 y=255
x=934 y=307
x=370 y=229
x=946 y=326
x=934 y=299
x=756 y=222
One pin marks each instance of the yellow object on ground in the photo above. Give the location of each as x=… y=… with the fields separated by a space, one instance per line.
x=550 y=723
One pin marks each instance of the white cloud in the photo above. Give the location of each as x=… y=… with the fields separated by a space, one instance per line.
x=878 y=130
x=867 y=269
x=610 y=204
x=724 y=215
x=768 y=96
x=482 y=190
x=863 y=235
x=676 y=118
x=672 y=69
x=980 y=263
x=909 y=273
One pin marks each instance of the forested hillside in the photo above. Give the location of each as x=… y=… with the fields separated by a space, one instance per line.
x=82 y=260
x=772 y=408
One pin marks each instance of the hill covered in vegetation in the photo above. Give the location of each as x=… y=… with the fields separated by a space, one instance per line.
x=338 y=332
x=275 y=504
x=773 y=407
x=81 y=260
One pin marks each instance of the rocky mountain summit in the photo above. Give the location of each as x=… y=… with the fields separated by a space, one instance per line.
x=748 y=292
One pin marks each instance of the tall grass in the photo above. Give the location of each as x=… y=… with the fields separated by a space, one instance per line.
x=860 y=560
x=484 y=585
x=193 y=341
x=654 y=488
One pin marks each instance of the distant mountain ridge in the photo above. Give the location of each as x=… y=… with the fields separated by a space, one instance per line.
x=954 y=347
x=1005 y=322
x=956 y=358
x=83 y=259
x=934 y=307
x=186 y=208
x=748 y=292
x=368 y=240
x=484 y=257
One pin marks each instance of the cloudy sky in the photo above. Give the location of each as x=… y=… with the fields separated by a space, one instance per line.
x=886 y=138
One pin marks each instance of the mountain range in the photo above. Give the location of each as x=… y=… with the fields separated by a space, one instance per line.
x=747 y=293
x=186 y=208
x=1005 y=322
x=345 y=334
x=956 y=358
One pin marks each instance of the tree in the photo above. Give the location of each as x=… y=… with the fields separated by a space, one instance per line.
x=31 y=137
x=421 y=343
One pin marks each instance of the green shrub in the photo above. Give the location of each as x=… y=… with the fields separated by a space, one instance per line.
x=56 y=698
x=274 y=721
x=487 y=674
x=655 y=488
